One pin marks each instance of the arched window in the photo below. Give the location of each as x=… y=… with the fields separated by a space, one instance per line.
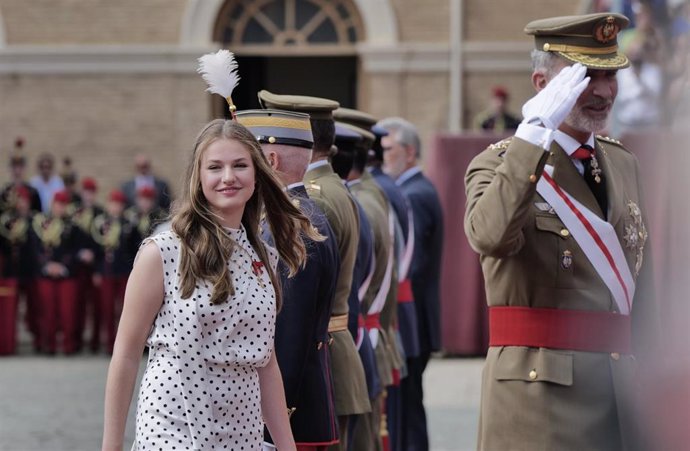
x=289 y=24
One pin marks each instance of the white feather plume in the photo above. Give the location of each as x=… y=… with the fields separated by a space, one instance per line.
x=219 y=71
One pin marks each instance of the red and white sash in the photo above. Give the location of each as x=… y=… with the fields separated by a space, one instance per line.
x=597 y=239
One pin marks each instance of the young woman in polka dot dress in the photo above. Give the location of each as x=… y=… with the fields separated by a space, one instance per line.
x=203 y=298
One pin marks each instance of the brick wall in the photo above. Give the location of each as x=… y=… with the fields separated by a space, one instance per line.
x=92 y=21
x=102 y=122
x=504 y=20
x=422 y=21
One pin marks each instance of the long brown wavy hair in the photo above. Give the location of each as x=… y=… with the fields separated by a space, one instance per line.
x=206 y=246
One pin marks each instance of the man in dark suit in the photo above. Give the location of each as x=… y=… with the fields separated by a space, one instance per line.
x=401 y=151
x=301 y=336
x=145 y=178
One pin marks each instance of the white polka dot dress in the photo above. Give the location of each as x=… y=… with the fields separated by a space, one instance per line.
x=200 y=390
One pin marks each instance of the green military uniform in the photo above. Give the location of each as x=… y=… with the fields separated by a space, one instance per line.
x=549 y=397
x=328 y=192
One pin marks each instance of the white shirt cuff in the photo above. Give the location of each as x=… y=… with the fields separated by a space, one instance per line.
x=535 y=134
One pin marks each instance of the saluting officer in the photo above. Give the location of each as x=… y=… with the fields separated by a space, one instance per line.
x=117 y=241
x=555 y=213
x=326 y=189
x=301 y=335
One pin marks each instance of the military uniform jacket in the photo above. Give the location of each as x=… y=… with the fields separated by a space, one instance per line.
x=59 y=240
x=18 y=244
x=117 y=241
x=328 y=192
x=9 y=192
x=301 y=335
x=406 y=315
x=542 y=399
x=425 y=270
x=360 y=272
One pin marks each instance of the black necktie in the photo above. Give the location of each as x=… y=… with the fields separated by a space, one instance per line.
x=593 y=175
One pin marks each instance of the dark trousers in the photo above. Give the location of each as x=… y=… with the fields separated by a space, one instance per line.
x=110 y=306
x=343 y=433
x=414 y=432
x=58 y=312
x=394 y=415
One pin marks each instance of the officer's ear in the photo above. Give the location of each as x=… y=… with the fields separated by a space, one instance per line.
x=539 y=80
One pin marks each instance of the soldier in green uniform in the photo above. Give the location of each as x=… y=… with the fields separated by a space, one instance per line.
x=366 y=434
x=327 y=190
x=555 y=213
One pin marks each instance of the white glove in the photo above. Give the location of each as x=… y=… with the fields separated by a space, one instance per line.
x=552 y=104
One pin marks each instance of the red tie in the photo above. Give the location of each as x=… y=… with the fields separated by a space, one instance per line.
x=583 y=152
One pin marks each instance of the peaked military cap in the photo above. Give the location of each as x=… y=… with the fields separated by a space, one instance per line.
x=278 y=127
x=379 y=132
x=354 y=117
x=346 y=138
x=315 y=107
x=589 y=39
x=363 y=134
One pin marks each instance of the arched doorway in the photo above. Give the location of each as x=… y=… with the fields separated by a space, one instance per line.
x=292 y=46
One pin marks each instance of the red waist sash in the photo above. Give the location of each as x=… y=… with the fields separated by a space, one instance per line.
x=405 y=291
x=372 y=321
x=575 y=330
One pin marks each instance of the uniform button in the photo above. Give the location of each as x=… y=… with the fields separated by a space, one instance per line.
x=330 y=341
x=533 y=178
x=533 y=374
x=615 y=356
x=319 y=345
x=565 y=232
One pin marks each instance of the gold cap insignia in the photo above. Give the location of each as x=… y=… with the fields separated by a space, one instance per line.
x=606 y=30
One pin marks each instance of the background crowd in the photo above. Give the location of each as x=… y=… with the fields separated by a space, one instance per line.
x=65 y=256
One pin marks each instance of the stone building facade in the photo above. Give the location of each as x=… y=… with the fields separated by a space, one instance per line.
x=103 y=80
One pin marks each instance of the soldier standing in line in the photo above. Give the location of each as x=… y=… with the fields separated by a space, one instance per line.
x=301 y=336
x=362 y=272
x=18 y=174
x=401 y=152
x=59 y=240
x=555 y=214
x=367 y=431
x=406 y=320
x=145 y=215
x=117 y=241
x=83 y=214
x=326 y=189
x=18 y=261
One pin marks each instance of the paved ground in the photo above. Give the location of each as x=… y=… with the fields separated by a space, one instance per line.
x=56 y=403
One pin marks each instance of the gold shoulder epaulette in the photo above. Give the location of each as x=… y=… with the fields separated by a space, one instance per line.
x=312 y=186
x=501 y=145
x=610 y=140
